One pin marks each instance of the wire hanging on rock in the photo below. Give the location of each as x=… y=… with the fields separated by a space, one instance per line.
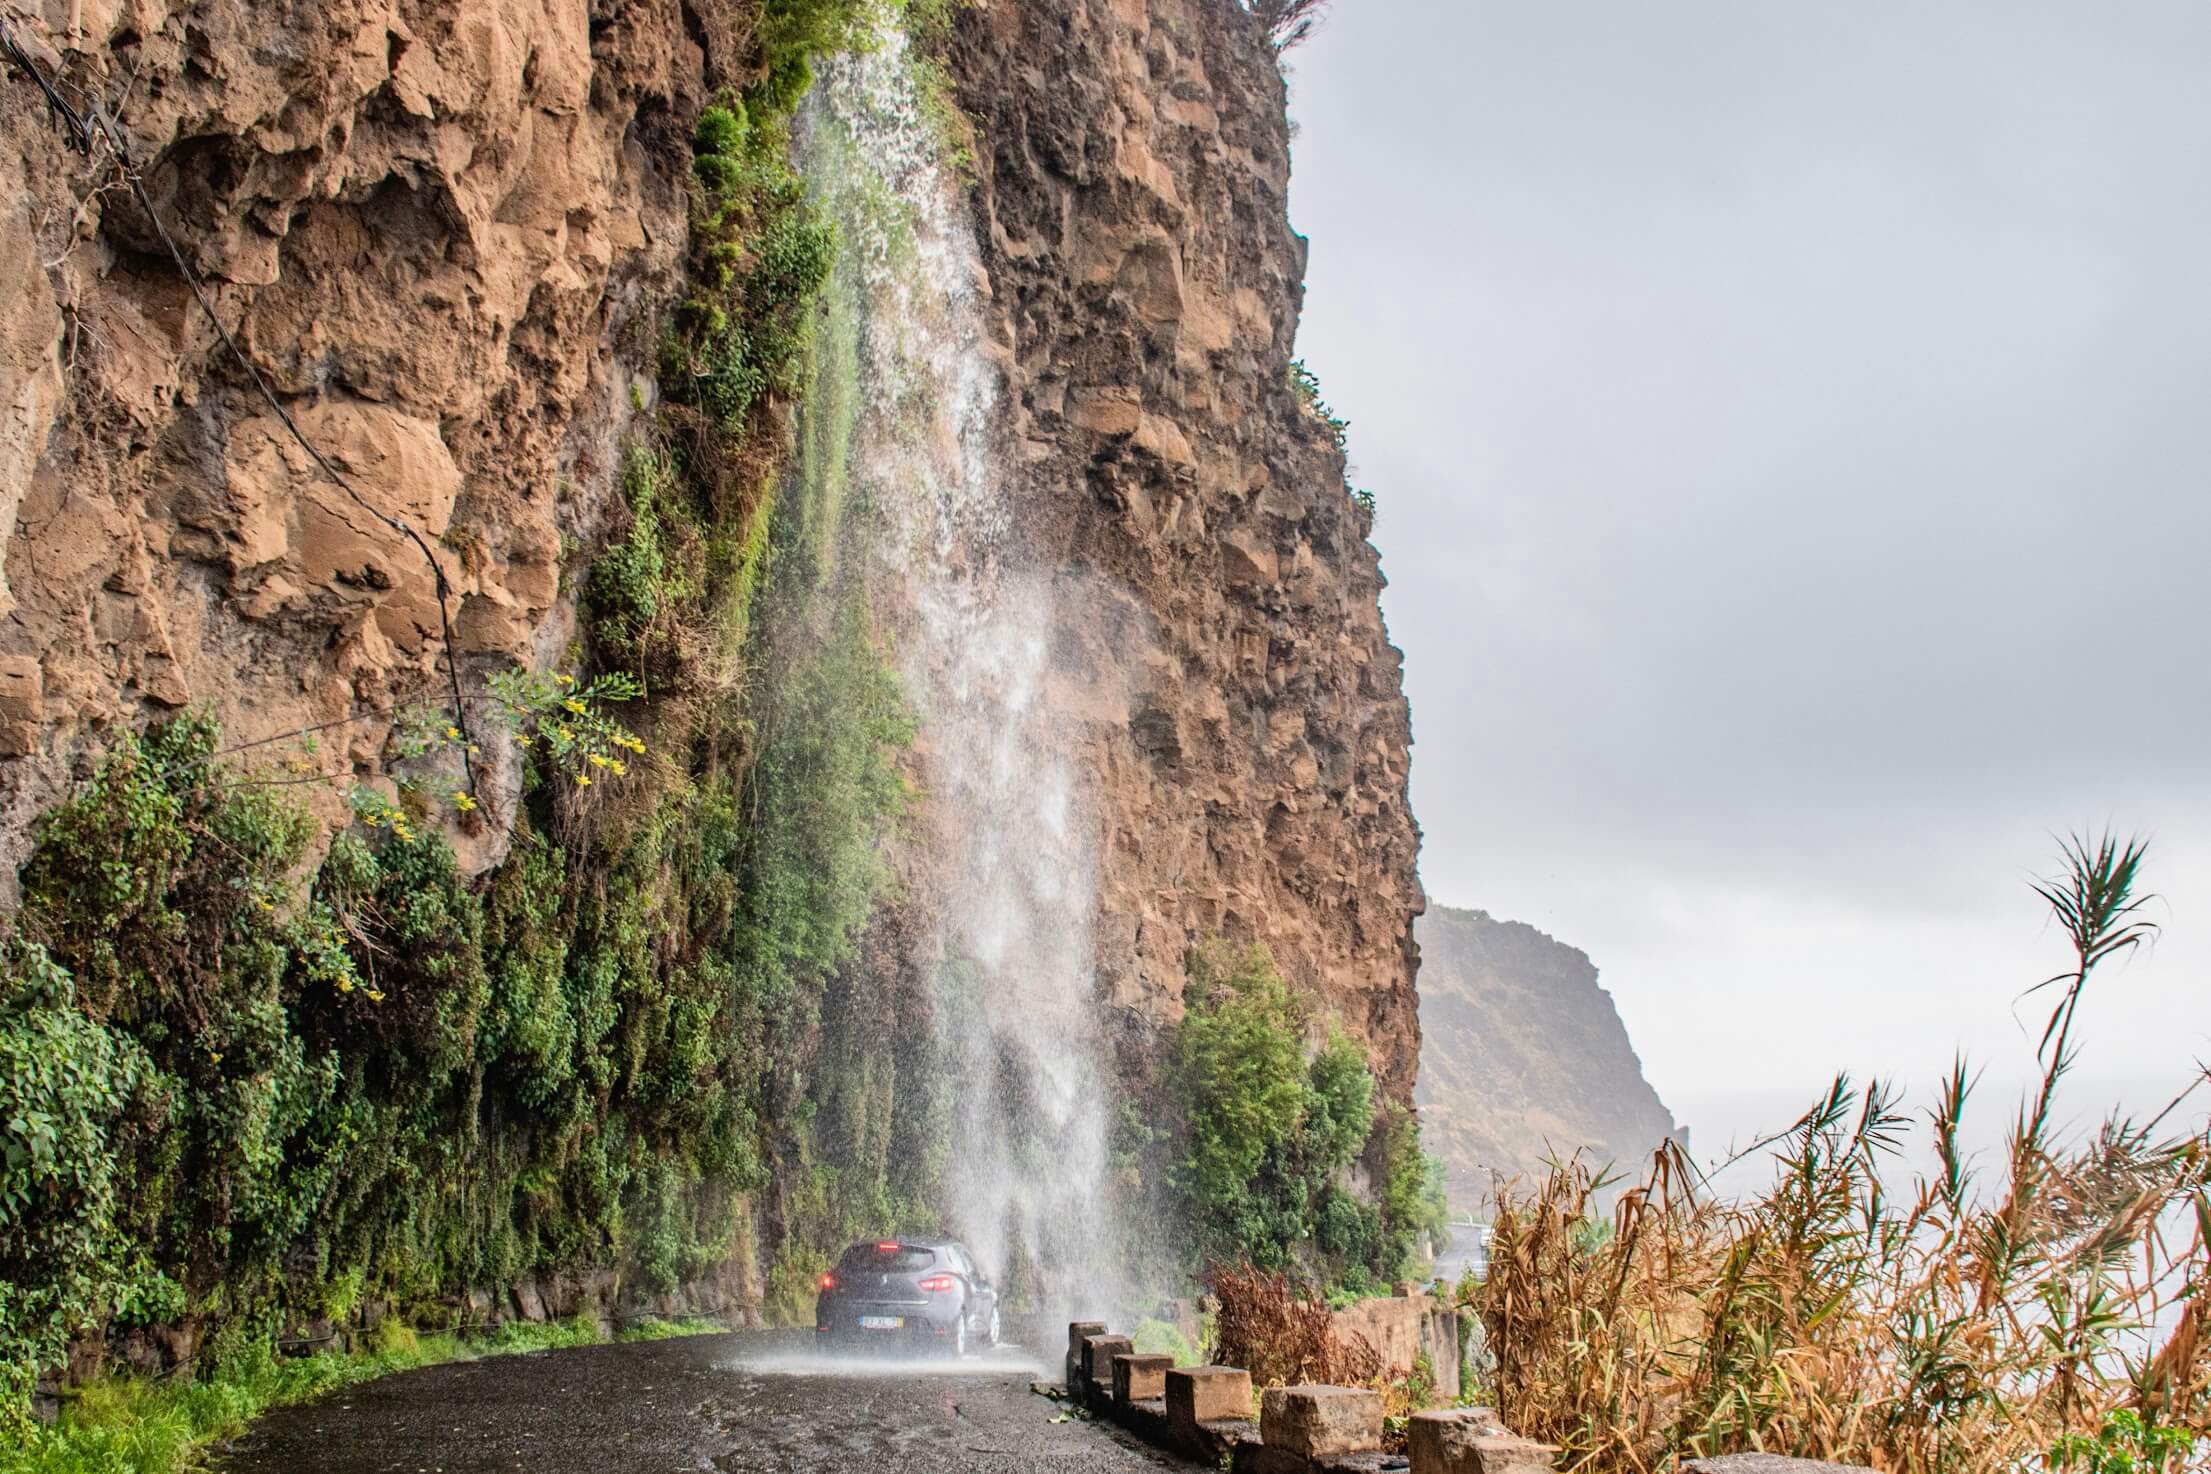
x=82 y=127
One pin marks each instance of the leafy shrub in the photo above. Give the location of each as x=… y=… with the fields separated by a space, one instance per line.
x=1267 y=1135
x=792 y=32
x=1287 y=23
x=2126 y=1444
x=1159 y=1338
x=65 y=1084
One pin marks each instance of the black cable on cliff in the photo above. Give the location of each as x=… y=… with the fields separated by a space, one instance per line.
x=81 y=128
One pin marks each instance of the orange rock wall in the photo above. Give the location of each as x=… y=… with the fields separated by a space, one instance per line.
x=1246 y=722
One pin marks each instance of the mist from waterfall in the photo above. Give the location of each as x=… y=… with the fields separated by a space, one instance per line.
x=908 y=397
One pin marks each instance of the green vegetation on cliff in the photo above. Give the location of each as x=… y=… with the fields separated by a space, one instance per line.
x=249 y=1089
x=1270 y=1140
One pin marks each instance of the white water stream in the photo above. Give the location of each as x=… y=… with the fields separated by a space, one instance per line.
x=1011 y=864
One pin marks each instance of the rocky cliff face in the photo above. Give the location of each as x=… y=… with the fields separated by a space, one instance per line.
x=433 y=229
x=1241 y=707
x=441 y=234
x=1523 y=1056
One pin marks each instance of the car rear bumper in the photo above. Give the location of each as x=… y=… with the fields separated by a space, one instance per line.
x=845 y=1324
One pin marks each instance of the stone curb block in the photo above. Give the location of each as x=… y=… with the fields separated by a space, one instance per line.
x=1140 y=1378
x=1097 y=1367
x=1315 y=1422
x=1078 y=1332
x=1198 y=1395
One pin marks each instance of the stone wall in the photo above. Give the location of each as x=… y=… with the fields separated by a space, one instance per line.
x=1403 y=1328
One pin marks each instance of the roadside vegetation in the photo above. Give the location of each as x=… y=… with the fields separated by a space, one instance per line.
x=126 y=1425
x=2049 y=1313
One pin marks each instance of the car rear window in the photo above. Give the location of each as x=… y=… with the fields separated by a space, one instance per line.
x=881 y=1259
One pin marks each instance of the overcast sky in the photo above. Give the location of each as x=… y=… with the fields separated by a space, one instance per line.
x=1791 y=426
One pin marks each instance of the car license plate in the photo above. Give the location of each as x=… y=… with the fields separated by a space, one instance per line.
x=882 y=1322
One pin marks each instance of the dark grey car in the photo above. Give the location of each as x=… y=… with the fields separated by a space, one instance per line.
x=911 y=1293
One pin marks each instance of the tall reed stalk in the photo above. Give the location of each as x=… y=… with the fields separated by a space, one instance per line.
x=1957 y=1327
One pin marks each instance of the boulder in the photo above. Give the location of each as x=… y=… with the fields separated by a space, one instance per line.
x=1315 y=1422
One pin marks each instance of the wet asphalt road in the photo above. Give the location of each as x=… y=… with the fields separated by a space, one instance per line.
x=729 y=1404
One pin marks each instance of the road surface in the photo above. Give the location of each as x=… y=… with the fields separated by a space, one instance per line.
x=728 y=1404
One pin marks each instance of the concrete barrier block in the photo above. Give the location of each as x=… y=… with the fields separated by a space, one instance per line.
x=1097 y=1361
x=1208 y=1395
x=1315 y=1421
x=1470 y=1440
x=1136 y=1378
x=1079 y=1331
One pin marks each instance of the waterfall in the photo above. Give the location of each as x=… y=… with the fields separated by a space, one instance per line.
x=903 y=415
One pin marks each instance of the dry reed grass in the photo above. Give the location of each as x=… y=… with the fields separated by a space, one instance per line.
x=1953 y=1328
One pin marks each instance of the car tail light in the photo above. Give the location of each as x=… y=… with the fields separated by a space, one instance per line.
x=829 y=1282
x=937 y=1282
x=886 y=1248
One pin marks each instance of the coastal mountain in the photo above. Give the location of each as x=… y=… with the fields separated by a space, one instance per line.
x=1523 y=1057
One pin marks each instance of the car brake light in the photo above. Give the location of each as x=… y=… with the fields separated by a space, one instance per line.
x=937 y=1282
x=886 y=1248
x=829 y=1282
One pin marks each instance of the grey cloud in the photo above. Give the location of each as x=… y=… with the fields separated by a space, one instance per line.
x=1787 y=426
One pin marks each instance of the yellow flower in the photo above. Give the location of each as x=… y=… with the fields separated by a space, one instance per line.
x=214 y=1057
x=583 y=780
x=462 y=801
x=619 y=770
x=565 y=679
x=374 y=996
x=345 y=985
x=575 y=706
x=598 y=760
x=454 y=733
x=473 y=749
